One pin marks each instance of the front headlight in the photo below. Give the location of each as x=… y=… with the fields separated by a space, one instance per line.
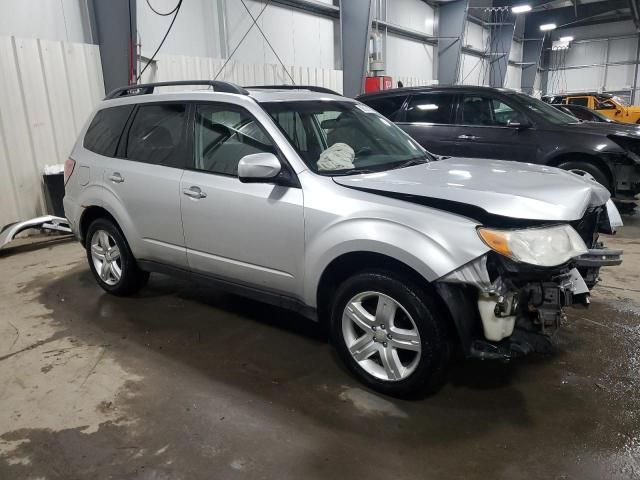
x=546 y=247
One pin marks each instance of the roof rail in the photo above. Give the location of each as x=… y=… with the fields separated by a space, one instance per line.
x=311 y=88
x=148 y=88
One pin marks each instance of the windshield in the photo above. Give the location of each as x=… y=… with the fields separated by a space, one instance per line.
x=550 y=113
x=620 y=100
x=340 y=138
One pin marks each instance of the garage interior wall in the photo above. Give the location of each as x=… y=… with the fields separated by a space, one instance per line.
x=406 y=58
x=601 y=58
x=48 y=91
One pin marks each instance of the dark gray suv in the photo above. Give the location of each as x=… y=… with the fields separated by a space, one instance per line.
x=483 y=122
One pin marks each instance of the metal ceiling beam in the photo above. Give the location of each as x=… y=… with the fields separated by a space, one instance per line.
x=451 y=22
x=531 y=56
x=113 y=25
x=355 y=28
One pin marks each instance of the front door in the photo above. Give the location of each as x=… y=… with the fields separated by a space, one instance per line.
x=428 y=119
x=246 y=233
x=482 y=130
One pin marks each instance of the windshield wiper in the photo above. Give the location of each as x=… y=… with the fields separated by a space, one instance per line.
x=412 y=162
x=354 y=171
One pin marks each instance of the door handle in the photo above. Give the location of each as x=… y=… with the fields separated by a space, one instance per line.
x=194 y=192
x=116 y=178
x=467 y=137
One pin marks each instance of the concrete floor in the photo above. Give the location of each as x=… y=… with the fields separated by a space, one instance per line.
x=182 y=382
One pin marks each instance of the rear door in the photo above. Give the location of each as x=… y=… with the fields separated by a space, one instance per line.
x=143 y=183
x=246 y=233
x=483 y=130
x=428 y=118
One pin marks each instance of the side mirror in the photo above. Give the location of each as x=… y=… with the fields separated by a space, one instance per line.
x=258 y=168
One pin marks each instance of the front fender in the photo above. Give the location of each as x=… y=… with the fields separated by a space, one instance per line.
x=432 y=254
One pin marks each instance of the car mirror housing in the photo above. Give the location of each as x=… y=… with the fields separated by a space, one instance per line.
x=259 y=168
x=518 y=124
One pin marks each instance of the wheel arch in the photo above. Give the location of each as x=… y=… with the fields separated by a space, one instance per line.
x=584 y=157
x=90 y=214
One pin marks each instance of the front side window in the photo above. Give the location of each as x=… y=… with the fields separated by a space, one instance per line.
x=157 y=135
x=487 y=111
x=343 y=137
x=225 y=134
x=105 y=129
x=431 y=108
x=388 y=106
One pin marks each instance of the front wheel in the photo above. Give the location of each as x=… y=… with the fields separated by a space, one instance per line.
x=391 y=334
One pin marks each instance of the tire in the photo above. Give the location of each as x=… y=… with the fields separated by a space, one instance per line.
x=121 y=276
x=423 y=358
x=596 y=172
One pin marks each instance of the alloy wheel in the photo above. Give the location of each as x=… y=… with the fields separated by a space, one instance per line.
x=381 y=336
x=106 y=258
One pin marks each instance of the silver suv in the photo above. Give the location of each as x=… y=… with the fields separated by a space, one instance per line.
x=315 y=202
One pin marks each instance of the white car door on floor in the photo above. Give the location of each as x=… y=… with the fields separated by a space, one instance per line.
x=246 y=233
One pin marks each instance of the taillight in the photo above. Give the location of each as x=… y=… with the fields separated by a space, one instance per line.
x=69 y=165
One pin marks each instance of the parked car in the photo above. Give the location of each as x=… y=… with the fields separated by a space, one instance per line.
x=612 y=106
x=583 y=113
x=316 y=203
x=491 y=123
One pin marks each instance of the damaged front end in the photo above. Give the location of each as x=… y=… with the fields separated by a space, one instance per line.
x=508 y=302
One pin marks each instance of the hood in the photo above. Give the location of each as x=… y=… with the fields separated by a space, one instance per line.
x=604 y=128
x=500 y=188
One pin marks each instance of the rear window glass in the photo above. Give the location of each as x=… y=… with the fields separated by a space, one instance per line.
x=106 y=127
x=157 y=134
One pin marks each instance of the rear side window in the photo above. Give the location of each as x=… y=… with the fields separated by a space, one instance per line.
x=584 y=101
x=431 y=108
x=388 y=106
x=157 y=135
x=225 y=134
x=105 y=129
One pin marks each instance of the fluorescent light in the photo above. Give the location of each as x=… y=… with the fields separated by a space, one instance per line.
x=548 y=26
x=566 y=39
x=521 y=9
x=428 y=106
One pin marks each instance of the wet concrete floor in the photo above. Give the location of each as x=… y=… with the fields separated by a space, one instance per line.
x=184 y=382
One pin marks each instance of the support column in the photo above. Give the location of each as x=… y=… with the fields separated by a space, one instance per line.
x=499 y=52
x=531 y=58
x=113 y=25
x=451 y=22
x=355 y=27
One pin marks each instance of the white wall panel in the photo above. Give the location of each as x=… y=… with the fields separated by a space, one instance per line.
x=63 y=20
x=473 y=70
x=179 y=67
x=513 y=78
x=408 y=58
x=413 y=14
x=48 y=90
x=475 y=36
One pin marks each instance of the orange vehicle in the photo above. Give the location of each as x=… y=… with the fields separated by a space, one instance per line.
x=612 y=106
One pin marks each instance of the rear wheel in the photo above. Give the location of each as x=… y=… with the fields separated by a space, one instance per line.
x=111 y=261
x=391 y=334
x=583 y=168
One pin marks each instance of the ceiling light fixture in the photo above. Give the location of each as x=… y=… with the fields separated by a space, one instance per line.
x=521 y=9
x=547 y=26
x=566 y=39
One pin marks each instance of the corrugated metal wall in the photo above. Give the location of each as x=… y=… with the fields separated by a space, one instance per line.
x=47 y=90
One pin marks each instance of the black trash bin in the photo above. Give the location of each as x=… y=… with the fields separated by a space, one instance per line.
x=54 y=191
